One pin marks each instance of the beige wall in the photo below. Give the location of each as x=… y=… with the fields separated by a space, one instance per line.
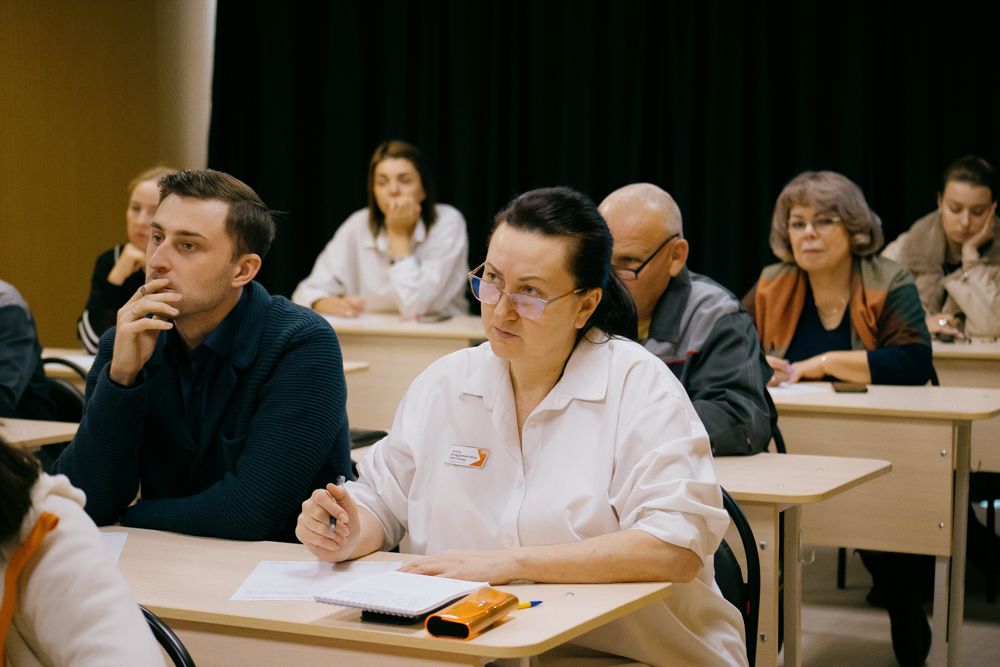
x=91 y=96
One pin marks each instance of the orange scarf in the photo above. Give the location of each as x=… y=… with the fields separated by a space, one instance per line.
x=46 y=523
x=780 y=298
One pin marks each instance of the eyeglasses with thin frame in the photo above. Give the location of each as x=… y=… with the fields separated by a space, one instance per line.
x=528 y=307
x=821 y=224
x=624 y=273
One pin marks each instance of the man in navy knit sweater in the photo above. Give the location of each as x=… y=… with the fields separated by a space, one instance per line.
x=220 y=405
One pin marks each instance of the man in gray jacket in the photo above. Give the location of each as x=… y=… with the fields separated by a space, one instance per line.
x=697 y=327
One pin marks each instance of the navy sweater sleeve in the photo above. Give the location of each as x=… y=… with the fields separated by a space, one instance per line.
x=103 y=459
x=299 y=427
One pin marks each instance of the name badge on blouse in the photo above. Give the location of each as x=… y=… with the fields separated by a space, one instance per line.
x=467 y=457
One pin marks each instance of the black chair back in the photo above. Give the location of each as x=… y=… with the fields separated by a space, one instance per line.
x=68 y=400
x=169 y=640
x=744 y=595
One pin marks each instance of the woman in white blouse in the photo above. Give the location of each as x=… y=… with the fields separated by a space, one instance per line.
x=559 y=451
x=404 y=253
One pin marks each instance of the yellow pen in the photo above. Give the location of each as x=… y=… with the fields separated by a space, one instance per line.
x=528 y=604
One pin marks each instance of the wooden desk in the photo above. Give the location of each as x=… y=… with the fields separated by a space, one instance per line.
x=974 y=365
x=765 y=485
x=921 y=506
x=78 y=356
x=351 y=367
x=188 y=582
x=32 y=434
x=397 y=351
x=85 y=361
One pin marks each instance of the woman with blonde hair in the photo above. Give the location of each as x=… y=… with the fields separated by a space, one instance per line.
x=120 y=271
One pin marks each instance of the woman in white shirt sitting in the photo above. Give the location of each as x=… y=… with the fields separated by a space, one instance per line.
x=404 y=253
x=559 y=451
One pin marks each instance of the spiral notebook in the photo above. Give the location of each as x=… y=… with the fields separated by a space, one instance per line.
x=403 y=595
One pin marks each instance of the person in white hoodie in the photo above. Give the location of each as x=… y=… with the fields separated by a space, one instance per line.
x=70 y=604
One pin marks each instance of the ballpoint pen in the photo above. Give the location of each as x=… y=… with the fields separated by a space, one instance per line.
x=333 y=520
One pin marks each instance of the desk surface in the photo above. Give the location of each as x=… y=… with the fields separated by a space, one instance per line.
x=463 y=327
x=978 y=350
x=192 y=578
x=33 y=433
x=355 y=366
x=794 y=479
x=936 y=403
x=79 y=357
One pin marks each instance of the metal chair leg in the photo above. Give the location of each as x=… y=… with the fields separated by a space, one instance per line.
x=991 y=555
x=841 y=568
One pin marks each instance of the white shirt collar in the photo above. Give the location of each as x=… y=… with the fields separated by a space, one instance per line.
x=585 y=377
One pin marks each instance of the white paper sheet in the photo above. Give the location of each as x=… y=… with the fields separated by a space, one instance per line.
x=115 y=542
x=792 y=388
x=302 y=580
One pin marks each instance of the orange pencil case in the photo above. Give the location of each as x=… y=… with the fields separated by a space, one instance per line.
x=469 y=616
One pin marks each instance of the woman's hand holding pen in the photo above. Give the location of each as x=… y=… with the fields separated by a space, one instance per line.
x=340 y=306
x=328 y=540
x=782 y=370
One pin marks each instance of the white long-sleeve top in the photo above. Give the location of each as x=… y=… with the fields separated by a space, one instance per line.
x=431 y=280
x=615 y=445
x=73 y=605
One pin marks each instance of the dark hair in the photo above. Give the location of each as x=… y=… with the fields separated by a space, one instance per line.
x=249 y=221
x=406 y=151
x=18 y=472
x=971 y=169
x=565 y=212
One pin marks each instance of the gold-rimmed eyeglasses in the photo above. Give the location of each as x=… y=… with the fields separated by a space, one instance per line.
x=528 y=307
x=822 y=224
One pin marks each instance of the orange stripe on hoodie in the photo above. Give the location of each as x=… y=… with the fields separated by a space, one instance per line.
x=46 y=523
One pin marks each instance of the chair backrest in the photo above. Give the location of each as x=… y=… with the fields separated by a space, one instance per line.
x=68 y=400
x=173 y=646
x=779 y=442
x=67 y=406
x=59 y=361
x=745 y=596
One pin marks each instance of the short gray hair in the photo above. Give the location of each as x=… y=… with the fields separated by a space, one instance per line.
x=827 y=191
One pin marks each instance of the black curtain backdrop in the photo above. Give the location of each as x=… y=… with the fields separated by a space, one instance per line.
x=720 y=103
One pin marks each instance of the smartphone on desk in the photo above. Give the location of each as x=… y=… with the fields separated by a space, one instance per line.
x=849 y=388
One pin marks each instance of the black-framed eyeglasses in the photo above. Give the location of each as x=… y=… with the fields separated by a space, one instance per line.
x=528 y=307
x=633 y=274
